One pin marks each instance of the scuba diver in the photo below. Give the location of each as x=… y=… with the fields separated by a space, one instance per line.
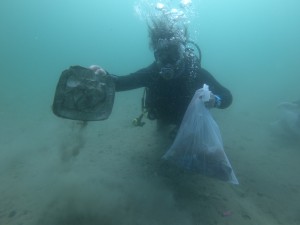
x=172 y=79
x=170 y=82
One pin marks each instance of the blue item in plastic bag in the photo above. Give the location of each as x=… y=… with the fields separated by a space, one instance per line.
x=198 y=146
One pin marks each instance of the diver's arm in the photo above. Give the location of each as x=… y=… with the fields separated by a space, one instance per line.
x=223 y=95
x=138 y=79
x=131 y=81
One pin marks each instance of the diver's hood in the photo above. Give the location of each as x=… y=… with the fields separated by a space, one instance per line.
x=169 y=56
x=83 y=95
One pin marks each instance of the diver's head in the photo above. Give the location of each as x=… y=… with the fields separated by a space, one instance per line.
x=169 y=56
x=168 y=41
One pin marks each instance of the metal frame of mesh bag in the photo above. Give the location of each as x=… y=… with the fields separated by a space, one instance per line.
x=83 y=95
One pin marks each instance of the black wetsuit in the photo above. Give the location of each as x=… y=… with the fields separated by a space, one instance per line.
x=168 y=99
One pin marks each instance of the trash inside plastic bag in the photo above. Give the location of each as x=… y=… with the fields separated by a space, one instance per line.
x=198 y=146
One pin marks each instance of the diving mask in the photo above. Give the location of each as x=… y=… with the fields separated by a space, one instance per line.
x=169 y=56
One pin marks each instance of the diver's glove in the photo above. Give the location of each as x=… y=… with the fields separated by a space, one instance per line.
x=210 y=100
x=218 y=101
x=213 y=102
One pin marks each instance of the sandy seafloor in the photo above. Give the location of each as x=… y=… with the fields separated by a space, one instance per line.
x=53 y=173
x=111 y=173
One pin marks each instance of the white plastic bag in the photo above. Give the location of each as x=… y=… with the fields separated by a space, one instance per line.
x=198 y=146
x=288 y=125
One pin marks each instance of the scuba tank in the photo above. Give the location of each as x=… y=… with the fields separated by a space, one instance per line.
x=191 y=46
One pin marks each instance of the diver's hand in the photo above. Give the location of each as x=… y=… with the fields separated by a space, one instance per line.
x=211 y=102
x=97 y=70
x=207 y=97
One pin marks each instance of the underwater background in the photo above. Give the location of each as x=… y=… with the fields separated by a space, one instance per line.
x=54 y=173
